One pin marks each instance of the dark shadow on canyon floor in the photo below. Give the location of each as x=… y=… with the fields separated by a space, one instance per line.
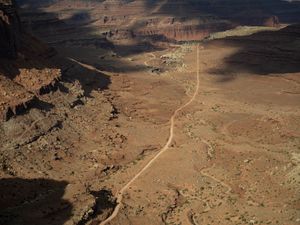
x=104 y=201
x=74 y=32
x=33 y=201
x=263 y=53
x=88 y=79
x=246 y=12
x=39 y=58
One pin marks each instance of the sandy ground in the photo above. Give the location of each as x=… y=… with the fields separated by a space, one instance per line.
x=234 y=157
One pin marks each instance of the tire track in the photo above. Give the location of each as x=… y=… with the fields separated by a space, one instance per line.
x=205 y=174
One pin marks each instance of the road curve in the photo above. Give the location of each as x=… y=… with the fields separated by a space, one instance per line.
x=164 y=149
x=146 y=63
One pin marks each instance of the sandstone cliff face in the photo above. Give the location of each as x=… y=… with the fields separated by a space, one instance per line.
x=172 y=19
x=9 y=29
x=26 y=68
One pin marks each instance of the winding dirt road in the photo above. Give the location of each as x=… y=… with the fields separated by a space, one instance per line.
x=164 y=149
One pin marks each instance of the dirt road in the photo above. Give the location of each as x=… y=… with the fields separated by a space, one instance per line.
x=164 y=149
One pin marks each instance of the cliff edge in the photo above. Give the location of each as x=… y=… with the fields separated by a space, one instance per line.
x=26 y=64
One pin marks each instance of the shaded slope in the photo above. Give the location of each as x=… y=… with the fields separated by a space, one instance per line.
x=267 y=52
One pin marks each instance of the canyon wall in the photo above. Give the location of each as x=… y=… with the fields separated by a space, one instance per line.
x=171 y=19
x=26 y=64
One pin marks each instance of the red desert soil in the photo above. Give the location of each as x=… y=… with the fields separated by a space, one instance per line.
x=234 y=157
x=178 y=134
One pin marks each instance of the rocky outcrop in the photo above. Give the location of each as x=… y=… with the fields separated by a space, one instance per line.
x=13 y=98
x=184 y=32
x=26 y=67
